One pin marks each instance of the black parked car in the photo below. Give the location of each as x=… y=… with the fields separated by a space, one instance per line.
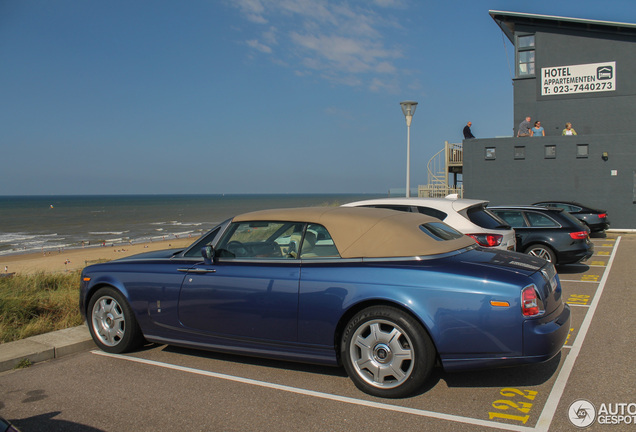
x=548 y=232
x=595 y=219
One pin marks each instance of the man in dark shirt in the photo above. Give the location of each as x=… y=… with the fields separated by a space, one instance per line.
x=467 y=132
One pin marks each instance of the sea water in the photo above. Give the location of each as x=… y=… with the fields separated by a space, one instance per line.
x=45 y=223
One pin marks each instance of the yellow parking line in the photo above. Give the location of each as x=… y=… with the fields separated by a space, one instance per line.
x=579 y=280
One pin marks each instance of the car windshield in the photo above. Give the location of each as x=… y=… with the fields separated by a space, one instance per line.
x=566 y=207
x=440 y=231
x=195 y=249
x=483 y=217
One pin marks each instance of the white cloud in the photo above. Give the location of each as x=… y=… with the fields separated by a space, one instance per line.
x=385 y=68
x=378 y=85
x=270 y=36
x=259 y=46
x=344 y=42
x=252 y=10
x=389 y=3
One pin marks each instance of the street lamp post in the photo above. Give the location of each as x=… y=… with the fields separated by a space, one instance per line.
x=408 y=108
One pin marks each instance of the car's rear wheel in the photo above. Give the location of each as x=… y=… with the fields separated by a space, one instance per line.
x=542 y=251
x=112 y=323
x=386 y=352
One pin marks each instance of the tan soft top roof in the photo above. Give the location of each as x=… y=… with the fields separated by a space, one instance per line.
x=367 y=232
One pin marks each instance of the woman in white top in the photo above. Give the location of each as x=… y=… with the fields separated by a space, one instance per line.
x=568 y=129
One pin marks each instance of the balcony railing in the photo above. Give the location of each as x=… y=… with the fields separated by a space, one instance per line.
x=439 y=191
x=455 y=154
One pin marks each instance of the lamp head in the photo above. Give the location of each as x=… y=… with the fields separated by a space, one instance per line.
x=408 y=108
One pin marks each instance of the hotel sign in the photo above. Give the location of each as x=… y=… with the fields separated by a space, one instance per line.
x=575 y=79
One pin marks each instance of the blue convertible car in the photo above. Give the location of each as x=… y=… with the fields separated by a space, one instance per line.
x=386 y=294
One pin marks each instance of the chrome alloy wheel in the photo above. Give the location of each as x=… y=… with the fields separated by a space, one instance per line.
x=108 y=320
x=541 y=252
x=382 y=354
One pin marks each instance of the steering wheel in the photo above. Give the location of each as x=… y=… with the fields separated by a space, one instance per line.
x=236 y=247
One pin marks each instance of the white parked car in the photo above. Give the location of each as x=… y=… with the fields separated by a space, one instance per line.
x=470 y=217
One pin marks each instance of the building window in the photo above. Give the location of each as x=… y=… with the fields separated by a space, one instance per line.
x=550 y=152
x=491 y=153
x=525 y=56
x=582 y=150
x=520 y=152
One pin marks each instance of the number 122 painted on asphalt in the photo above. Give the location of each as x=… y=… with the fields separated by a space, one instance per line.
x=521 y=406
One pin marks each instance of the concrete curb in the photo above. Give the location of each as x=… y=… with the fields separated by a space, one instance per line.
x=46 y=346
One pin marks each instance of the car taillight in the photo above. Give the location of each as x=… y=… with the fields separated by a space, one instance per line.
x=602 y=215
x=579 y=235
x=530 y=301
x=487 y=240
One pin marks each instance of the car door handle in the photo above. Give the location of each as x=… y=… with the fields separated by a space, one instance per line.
x=196 y=270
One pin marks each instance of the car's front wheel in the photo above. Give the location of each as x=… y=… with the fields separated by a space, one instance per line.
x=541 y=251
x=112 y=323
x=386 y=352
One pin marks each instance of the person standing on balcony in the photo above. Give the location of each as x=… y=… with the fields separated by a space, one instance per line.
x=467 y=132
x=524 y=128
x=537 y=130
x=568 y=129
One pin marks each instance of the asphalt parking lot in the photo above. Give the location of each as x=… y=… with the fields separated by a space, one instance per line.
x=167 y=388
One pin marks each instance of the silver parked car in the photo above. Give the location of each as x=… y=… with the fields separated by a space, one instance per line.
x=470 y=217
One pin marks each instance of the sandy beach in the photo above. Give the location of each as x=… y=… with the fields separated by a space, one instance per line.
x=75 y=259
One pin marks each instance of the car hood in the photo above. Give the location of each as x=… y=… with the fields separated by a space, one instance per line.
x=165 y=253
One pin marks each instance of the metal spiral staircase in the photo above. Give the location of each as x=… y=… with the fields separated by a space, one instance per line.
x=448 y=160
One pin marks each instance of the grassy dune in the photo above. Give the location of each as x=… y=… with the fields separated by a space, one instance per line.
x=38 y=303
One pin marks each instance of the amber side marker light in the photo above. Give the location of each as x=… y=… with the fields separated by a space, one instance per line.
x=499 y=303
x=86 y=279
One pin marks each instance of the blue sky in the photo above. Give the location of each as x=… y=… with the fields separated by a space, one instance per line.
x=249 y=96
